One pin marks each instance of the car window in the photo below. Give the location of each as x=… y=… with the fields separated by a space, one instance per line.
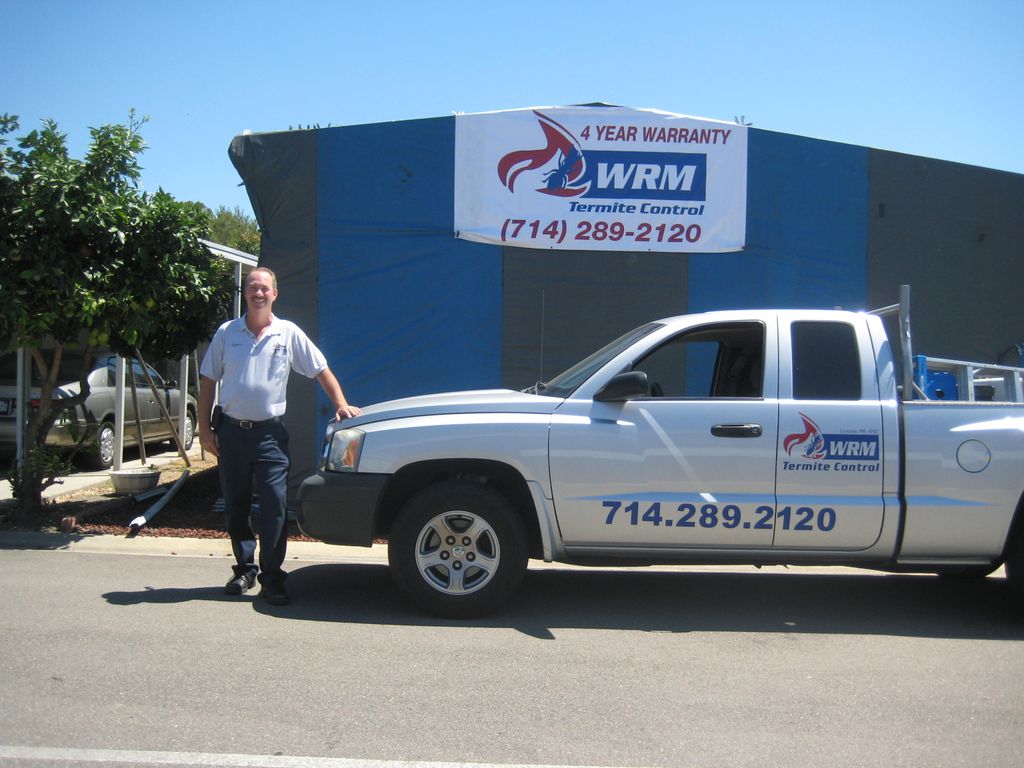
x=565 y=383
x=134 y=370
x=140 y=377
x=110 y=364
x=724 y=360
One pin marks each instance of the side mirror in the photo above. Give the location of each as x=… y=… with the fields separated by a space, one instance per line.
x=624 y=386
x=171 y=384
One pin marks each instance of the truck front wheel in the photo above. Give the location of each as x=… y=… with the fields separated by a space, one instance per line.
x=458 y=550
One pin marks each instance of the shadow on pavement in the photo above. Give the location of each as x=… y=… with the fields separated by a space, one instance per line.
x=659 y=601
x=170 y=595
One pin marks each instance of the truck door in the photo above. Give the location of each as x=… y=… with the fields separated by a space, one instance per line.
x=829 y=474
x=690 y=464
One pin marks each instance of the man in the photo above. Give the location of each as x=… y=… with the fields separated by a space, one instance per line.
x=251 y=358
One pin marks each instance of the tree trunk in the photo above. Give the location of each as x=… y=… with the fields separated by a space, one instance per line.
x=29 y=489
x=38 y=472
x=30 y=494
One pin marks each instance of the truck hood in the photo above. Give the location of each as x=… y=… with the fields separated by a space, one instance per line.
x=475 y=401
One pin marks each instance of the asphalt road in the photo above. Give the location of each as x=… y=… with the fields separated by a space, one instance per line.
x=109 y=658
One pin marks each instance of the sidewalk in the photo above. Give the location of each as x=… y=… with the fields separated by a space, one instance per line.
x=76 y=481
x=159 y=545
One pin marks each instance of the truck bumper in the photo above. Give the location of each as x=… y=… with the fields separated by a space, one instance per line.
x=340 y=508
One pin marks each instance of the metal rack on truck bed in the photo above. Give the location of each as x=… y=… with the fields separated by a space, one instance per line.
x=936 y=378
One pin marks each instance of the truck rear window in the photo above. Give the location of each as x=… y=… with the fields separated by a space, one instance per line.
x=826 y=361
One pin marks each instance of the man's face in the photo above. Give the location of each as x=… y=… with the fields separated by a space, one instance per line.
x=259 y=291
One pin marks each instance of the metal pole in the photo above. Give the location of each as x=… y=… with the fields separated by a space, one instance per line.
x=238 y=289
x=118 y=413
x=141 y=520
x=905 y=343
x=163 y=408
x=195 y=369
x=182 y=395
x=138 y=418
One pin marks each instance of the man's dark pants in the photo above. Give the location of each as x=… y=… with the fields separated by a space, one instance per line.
x=255 y=457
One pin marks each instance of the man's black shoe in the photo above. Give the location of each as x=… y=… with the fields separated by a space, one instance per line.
x=240 y=584
x=275 y=594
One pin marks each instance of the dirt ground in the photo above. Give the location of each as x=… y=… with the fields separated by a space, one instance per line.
x=190 y=512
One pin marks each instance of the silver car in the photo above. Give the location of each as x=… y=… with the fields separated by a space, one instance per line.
x=97 y=414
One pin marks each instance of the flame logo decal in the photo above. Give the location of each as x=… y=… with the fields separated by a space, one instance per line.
x=810 y=441
x=560 y=179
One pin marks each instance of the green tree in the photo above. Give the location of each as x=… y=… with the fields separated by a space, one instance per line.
x=88 y=259
x=235 y=230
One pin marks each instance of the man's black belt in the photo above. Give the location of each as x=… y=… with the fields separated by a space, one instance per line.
x=248 y=424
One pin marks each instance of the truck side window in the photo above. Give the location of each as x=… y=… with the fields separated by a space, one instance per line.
x=712 y=361
x=826 y=361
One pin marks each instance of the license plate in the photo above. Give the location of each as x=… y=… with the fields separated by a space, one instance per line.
x=6 y=406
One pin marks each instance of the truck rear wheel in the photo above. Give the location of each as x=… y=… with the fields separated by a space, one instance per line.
x=1014 y=566
x=458 y=550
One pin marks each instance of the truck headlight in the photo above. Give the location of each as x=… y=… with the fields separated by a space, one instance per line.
x=342 y=449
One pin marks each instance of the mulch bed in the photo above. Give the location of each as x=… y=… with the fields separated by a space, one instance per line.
x=190 y=513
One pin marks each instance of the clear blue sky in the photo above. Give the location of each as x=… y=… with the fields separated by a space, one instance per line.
x=935 y=78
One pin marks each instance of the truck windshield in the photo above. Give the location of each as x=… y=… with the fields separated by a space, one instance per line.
x=565 y=383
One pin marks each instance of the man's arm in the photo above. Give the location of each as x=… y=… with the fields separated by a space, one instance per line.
x=207 y=438
x=342 y=410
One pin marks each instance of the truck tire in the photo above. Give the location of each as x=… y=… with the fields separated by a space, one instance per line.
x=458 y=550
x=1014 y=566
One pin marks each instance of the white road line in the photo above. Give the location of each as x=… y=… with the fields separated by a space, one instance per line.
x=79 y=756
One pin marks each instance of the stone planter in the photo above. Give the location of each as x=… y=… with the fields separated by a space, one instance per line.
x=128 y=481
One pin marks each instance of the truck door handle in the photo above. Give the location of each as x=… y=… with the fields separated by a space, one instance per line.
x=736 y=430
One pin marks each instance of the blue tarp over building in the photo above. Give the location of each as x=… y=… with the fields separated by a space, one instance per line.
x=357 y=224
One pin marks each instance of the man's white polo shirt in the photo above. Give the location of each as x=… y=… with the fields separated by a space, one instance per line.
x=253 y=374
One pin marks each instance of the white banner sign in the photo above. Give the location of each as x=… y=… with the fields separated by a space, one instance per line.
x=601 y=179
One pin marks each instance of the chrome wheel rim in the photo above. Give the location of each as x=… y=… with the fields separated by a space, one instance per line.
x=457 y=553
x=106 y=446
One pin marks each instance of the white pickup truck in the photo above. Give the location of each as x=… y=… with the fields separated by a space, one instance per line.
x=736 y=437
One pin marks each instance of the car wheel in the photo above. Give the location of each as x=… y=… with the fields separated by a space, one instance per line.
x=458 y=550
x=190 y=430
x=101 y=454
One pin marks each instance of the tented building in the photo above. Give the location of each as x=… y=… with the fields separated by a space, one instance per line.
x=478 y=251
